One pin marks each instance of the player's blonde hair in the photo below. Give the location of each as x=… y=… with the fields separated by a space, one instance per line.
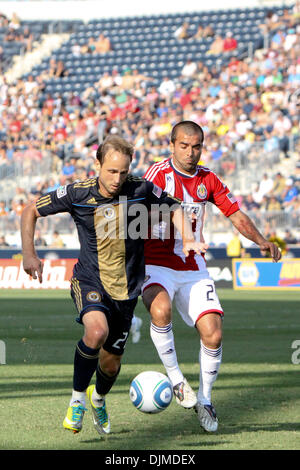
x=117 y=143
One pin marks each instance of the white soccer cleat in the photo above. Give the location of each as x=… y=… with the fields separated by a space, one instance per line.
x=136 y=329
x=207 y=417
x=184 y=394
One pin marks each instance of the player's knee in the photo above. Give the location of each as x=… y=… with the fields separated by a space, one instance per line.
x=161 y=315
x=95 y=337
x=111 y=366
x=212 y=339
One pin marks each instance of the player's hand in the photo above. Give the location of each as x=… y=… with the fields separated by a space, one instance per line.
x=197 y=247
x=33 y=266
x=269 y=247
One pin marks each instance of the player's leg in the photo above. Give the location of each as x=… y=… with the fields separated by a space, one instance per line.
x=106 y=374
x=90 y=307
x=199 y=306
x=86 y=358
x=119 y=319
x=209 y=327
x=159 y=304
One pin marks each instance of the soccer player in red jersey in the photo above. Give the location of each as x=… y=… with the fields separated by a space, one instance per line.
x=170 y=275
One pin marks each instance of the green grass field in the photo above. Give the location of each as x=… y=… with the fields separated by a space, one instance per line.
x=256 y=395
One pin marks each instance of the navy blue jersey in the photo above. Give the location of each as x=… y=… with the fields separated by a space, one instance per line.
x=111 y=231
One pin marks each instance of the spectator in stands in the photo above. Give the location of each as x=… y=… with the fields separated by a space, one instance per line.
x=103 y=127
x=286 y=19
x=57 y=69
x=167 y=87
x=266 y=185
x=270 y=23
x=273 y=205
x=217 y=46
x=12 y=35
x=279 y=185
x=183 y=31
x=289 y=238
x=76 y=50
x=3 y=20
x=89 y=48
x=39 y=240
x=15 y=22
x=249 y=203
x=27 y=38
x=290 y=39
x=57 y=241
x=3 y=242
x=189 y=69
x=289 y=194
x=102 y=44
x=234 y=246
x=208 y=31
x=229 y=43
x=4 y=211
x=200 y=32
x=127 y=80
x=278 y=40
x=281 y=128
x=68 y=168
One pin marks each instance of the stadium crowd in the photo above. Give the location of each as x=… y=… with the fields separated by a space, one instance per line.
x=247 y=108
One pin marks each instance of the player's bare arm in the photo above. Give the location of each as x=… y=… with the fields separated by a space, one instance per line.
x=247 y=228
x=31 y=263
x=184 y=226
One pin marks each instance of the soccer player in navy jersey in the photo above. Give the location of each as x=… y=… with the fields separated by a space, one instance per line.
x=171 y=275
x=110 y=270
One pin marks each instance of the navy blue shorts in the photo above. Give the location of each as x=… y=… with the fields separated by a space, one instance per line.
x=118 y=313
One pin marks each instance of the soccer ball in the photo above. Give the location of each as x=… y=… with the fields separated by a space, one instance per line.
x=151 y=392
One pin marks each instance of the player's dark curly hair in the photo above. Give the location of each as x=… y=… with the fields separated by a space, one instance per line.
x=190 y=127
x=117 y=143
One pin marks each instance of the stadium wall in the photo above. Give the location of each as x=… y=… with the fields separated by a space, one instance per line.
x=89 y=9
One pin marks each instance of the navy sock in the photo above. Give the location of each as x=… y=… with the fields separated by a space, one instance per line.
x=104 y=382
x=85 y=364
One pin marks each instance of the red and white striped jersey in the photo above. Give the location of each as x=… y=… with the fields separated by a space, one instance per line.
x=199 y=188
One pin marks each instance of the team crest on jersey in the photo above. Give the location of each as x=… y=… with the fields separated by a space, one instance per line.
x=109 y=213
x=201 y=191
x=93 y=296
x=61 y=191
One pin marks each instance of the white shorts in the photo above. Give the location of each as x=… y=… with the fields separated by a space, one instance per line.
x=193 y=292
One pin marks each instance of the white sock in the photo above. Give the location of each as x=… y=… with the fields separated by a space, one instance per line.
x=77 y=396
x=96 y=397
x=163 y=340
x=210 y=361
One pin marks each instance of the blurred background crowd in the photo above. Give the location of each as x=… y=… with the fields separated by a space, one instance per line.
x=248 y=107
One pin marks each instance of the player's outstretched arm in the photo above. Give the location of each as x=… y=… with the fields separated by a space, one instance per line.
x=183 y=225
x=247 y=228
x=32 y=265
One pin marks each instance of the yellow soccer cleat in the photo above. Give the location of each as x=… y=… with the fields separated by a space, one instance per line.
x=74 y=418
x=100 y=416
